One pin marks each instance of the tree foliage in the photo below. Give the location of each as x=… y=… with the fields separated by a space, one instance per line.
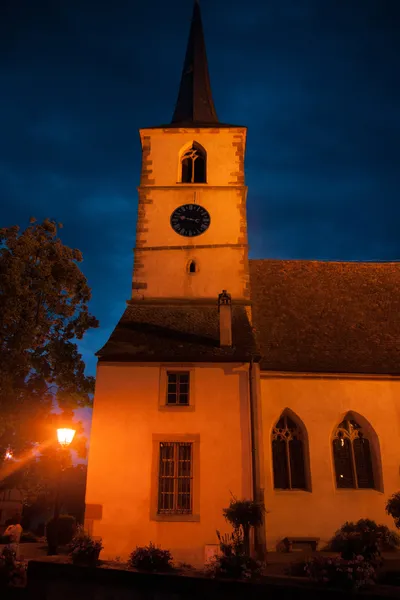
x=39 y=479
x=44 y=300
x=393 y=508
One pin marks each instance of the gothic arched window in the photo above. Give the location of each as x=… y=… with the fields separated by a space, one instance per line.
x=288 y=455
x=193 y=165
x=352 y=456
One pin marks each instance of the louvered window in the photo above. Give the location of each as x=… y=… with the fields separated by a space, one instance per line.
x=175 y=481
x=288 y=455
x=352 y=456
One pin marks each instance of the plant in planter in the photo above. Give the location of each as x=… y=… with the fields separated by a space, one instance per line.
x=84 y=550
x=232 y=562
x=244 y=514
x=393 y=508
x=151 y=558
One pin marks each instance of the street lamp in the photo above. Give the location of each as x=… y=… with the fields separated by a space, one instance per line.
x=65 y=435
x=8 y=455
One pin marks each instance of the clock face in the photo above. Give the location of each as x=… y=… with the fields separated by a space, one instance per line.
x=190 y=220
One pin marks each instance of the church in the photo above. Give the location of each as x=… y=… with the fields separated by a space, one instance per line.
x=273 y=380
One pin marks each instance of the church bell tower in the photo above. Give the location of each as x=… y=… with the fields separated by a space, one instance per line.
x=191 y=236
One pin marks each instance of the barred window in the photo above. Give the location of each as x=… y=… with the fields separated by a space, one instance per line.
x=288 y=455
x=352 y=456
x=178 y=387
x=194 y=165
x=175 y=485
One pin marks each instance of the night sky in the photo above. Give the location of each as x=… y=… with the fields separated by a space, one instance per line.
x=315 y=81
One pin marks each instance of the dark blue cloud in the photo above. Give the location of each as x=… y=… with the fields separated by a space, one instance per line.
x=315 y=81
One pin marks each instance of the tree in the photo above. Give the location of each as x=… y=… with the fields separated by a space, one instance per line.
x=40 y=487
x=44 y=300
x=40 y=478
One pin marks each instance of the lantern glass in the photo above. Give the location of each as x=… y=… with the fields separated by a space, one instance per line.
x=65 y=436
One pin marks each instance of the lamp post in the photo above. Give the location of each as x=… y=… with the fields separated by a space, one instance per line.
x=65 y=435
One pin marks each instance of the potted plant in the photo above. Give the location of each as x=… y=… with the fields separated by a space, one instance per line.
x=151 y=558
x=232 y=562
x=84 y=550
x=244 y=514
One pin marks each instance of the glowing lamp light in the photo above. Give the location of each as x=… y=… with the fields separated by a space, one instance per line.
x=8 y=455
x=65 y=436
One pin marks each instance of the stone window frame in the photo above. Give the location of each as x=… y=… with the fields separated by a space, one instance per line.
x=194 y=439
x=163 y=388
x=192 y=147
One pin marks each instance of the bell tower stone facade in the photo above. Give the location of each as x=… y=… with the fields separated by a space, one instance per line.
x=191 y=237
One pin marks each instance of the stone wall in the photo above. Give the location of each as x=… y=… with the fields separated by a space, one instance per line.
x=52 y=581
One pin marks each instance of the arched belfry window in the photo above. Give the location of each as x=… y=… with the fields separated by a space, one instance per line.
x=288 y=454
x=193 y=165
x=352 y=455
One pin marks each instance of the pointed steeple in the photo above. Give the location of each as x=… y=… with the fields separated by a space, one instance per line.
x=195 y=104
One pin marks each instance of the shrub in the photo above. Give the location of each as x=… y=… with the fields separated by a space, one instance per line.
x=12 y=571
x=393 y=508
x=233 y=562
x=244 y=514
x=83 y=549
x=297 y=569
x=151 y=558
x=364 y=538
x=61 y=532
x=341 y=573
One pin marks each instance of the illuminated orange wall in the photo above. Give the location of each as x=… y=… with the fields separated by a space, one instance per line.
x=125 y=417
x=321 y=403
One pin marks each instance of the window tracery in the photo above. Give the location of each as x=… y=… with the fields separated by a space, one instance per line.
x=352 y=456
x=288 y=455
x=193 y=165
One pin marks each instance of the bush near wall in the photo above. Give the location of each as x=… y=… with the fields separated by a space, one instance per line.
x=65 y=529
x=365 y=537
x=151 y=558
x=360 y=546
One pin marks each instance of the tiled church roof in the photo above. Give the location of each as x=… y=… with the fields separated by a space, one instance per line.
x=315 y=317
x=327 y=316
x=178 y=333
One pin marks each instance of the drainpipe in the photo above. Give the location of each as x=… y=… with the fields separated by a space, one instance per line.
x=257 y=453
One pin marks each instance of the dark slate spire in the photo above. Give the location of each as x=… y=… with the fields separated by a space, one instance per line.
x=195 y=104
